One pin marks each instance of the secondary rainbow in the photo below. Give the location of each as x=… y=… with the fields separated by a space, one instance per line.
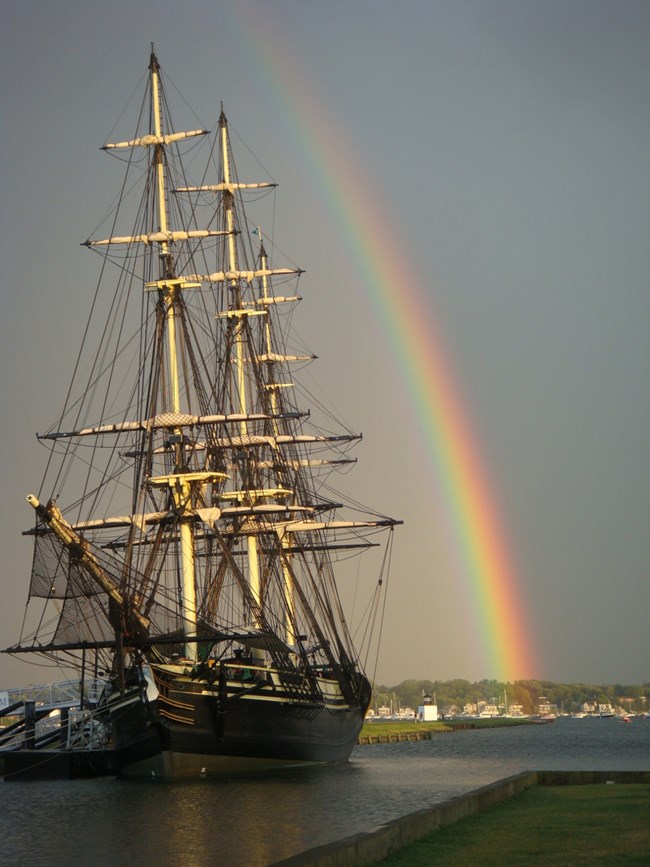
x=394 y=291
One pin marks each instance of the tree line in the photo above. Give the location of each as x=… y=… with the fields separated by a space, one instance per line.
x=452 y=695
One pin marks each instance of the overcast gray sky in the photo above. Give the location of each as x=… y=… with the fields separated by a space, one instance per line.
x=509 y=143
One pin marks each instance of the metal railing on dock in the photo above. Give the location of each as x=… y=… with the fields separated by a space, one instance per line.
x=66 y=692
x=57 y=715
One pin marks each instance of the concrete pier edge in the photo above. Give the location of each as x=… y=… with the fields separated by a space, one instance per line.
x=361 y=849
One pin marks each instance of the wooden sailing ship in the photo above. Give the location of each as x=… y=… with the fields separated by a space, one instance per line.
x=186 y=539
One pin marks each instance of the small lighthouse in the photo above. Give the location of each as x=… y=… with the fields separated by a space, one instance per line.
x=428 y=710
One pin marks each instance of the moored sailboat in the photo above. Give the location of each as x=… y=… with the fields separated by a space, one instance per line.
x=186 y=538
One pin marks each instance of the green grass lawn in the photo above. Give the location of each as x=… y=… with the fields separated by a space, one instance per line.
x=396 y=728
x=545 y=825
x=400 y=728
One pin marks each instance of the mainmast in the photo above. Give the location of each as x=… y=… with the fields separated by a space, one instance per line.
x=240 y=314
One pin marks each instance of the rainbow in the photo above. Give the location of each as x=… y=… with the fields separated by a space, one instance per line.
x=395 y=293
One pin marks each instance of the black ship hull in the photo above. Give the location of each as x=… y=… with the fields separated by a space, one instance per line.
x=194 y=729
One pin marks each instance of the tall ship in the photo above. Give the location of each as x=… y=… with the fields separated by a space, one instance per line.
x=186 y=530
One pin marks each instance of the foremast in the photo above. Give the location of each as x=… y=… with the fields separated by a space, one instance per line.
x=170 y=288
x=181 y=484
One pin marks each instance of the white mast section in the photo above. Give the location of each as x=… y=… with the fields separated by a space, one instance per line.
x=247 y=276
x=156 y=237
x=170 y=287
x=240 y=348
x=149 y=140
x=162 y=422
x=224 y=187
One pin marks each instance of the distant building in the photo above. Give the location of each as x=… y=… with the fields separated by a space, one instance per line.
x=489 y=710
x=406 y=713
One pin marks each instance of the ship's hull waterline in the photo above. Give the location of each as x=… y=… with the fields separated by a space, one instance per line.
x=195 y=729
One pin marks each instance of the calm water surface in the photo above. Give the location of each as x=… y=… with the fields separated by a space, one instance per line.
x=256 y=821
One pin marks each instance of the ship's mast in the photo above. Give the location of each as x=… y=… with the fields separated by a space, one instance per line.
x=185 y=488
x=237 y=310
x=272 y=386
x=170 y=289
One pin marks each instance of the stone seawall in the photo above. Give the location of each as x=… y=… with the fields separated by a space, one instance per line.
x=362 y=849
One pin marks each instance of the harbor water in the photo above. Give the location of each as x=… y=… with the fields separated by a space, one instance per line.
x=255 y=821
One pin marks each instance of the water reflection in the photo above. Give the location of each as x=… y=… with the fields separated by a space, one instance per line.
x=255 y=821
